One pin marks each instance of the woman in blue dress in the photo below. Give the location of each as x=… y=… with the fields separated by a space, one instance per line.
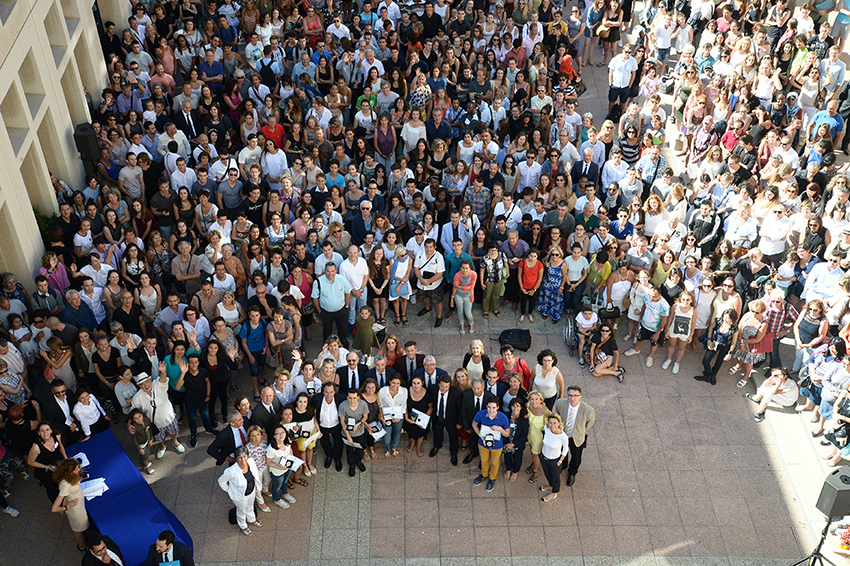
x=595 y=13
x=551 y=299
x=400 y=283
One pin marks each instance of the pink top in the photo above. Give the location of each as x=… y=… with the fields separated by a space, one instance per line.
x=58 y=279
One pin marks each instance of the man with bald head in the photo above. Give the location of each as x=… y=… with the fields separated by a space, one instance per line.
x=267 y=411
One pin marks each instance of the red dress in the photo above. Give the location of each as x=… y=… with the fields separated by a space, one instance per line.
x=316 y=24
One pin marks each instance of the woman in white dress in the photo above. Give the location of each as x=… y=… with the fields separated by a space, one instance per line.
x=639 y=290
x=680 y=330
x=149 y=297
x=548 y=379
x=619 y=287
x=241 y=482
x=704 y=302
x=400 y=289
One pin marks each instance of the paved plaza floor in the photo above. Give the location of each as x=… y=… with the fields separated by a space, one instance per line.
x=675 y=473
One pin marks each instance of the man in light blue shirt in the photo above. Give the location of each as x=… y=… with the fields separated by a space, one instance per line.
x=331 y=297
x=328 y=256
x=302 y=67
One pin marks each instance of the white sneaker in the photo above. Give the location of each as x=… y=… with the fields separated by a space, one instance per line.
x=676 y=368
x=521 y=318
x=666 y=363
x=413 y=299
x=648 y=362
x=11 y=511
x=160 y=453
x=631 y=352
x=627 y=337
x=282 y=504
x=531 y=318
x=289 y=498
x=180 y=448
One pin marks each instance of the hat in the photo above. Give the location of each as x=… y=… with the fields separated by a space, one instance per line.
x=141 y=378
x=239 y=74
x=845 y=231
x=791 y=95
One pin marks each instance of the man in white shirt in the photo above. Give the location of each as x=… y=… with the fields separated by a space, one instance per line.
x=258 y=91
x=787 y=153
x=486 y=147
x=95 y=270
x=93 y=297
x=529 y=170
x=589 y=197
x=393 y=11
x=356 y=270
x=222 y=280
x=326 y=406
x=338 y=29
x=614 y=169
x=674 y=230
x=621 y=74
x=183 y=176
x=510 y=210
x=131 y=180
x=250 y=154
x=822 y=282
x=429 y=268
x=835 y=68
x=367 y=63
x=569 y=153
x=661 y=37
x=774 y=230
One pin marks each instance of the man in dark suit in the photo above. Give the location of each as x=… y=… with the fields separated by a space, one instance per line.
x=351 y=375
x=494 y=386
x=381 y=373
x=267 y=411
x=166 y=549
x=474 y=400
x=228 y=440
x=188 y=121
x=102 y=550
x=58 y=410
x=361 y=223
x=327 y=413
x=585 y=168
x=429 y=372
x=409 y=363
x=447 y=415
x=146 y=359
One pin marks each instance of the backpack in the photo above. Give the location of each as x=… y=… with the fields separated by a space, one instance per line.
x=519 y=338
x=267 y=76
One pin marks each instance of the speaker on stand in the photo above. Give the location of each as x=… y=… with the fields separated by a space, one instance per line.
x=86 y=141
x=834 y=502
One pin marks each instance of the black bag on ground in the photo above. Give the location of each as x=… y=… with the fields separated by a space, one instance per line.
x=231 y=516
x=519 y=338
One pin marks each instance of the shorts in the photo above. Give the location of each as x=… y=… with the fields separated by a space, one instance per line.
x=436 y=294
x=840 y=30
x=616 y=92
x=647 y=334
x=662 y=54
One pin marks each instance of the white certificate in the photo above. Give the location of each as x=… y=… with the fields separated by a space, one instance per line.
x=420 y=418
x=290 y=462
x=378 y=431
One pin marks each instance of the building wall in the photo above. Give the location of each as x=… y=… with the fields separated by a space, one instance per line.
x=50 y=55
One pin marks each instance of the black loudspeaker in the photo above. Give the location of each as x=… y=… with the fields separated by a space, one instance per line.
x=834 y=500
x=86 y=142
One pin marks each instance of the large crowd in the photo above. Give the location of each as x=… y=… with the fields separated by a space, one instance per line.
x=269 y=169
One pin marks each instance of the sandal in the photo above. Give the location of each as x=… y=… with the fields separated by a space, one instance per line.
x=529 y=469
x=367 y=457
x=497 y=313
x=486 y=315
x=396 y=454
x=404 y=320
x=374 y=454
x=742 y=382
x=302 y=481
x=397 y=321
x=534 y=476
x=734 y=370
x=389 y=455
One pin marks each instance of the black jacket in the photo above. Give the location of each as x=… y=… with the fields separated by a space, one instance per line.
x=501 y=389
x=141 y=363
x=52 y=412
x=592 y=172
x=180 y=121
x=453 y=410
x=317 y=400
x=343 y=373
x=389 y=373
x=520 y=436
x=90 y=559
x=400 y=366
x=468 y=406
x=181 y=552
x=224 y=445
x=264 y=419
x=485 y=362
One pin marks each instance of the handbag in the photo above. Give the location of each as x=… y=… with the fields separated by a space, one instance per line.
x=609 y=313
x=602 y=32
x=763 y=346
x=580 y=87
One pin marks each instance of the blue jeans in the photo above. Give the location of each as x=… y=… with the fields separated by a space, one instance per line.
x=393 y=436
x=259 y=361
x=203 y=408
x=279 y=485
x=812 y=393
x=572 y=299
x=513 y=460
x=355 y=305
x=463 y=305
x=166 y=232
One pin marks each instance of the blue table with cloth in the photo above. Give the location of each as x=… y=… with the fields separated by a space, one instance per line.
x=128 y=512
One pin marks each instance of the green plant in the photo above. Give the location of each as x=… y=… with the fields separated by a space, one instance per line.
x=44 y=222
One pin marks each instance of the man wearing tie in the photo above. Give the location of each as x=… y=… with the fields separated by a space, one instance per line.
x=188 y=121
x=474 y=400
x=454 y=230
x=266 y=412
x=228 y=440
x=446 y=400
x=167 y=550
x=578 y=418
x=409 y=363
x=326 y=406
x=381 y=373
x=351 y=376
x=494 y=386
x=585 y=168
x=429 y=372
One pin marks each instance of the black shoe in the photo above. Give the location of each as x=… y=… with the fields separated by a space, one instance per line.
x=571 y=479
x=759 y=417
x=454 y=459
x=700 y=378
x=351 y=471
x=751 y=397
x=767 y=372
x=845 y=150
x=433 y=452
x=468 y=458
x=193 y=440
x=478 y=481
x=439 y=322
x=490 y=485
x=361 y=466
x=339 y=465
x=328 y=462
x=423 y=312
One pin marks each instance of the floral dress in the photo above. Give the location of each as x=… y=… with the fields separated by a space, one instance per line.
x=551 y=299
x=161 y=267
x=743 y=352
x=420 y=97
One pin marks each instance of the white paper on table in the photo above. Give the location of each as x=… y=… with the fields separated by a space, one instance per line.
x=421 y=419
x=94 y=488
x=294 y=463
x=378 y=430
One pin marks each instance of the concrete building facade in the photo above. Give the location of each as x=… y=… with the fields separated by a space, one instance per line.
x=51 y=55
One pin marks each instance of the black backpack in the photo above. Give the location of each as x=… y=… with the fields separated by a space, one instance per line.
x=519 y=338
x=267 y=76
